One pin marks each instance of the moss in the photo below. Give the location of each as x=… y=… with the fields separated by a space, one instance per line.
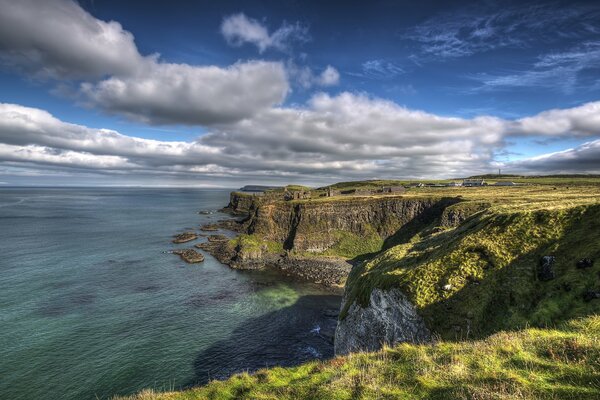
x=529 y=364
x=255 y=244
x=490 y=263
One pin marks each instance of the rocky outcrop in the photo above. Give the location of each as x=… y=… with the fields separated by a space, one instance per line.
x=241 y=203
x=185 y=237
x=316 y=226
x=329 y=271
x=389 y=319
x=190 y=256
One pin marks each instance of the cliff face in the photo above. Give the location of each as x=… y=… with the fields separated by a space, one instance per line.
x=389 y=318
x=241 y=203
x=334 y=227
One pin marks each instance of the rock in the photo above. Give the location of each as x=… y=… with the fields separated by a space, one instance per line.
x=590 y=295
x=390 y=318
x=585 y=263
x=185 y=237
x=209 y=227
x=190 y=256
x=205 y=212
x=545 y=271
x=447 y=287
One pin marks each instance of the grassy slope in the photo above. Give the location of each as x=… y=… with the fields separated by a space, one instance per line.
x=530 y=364
x=490 y=261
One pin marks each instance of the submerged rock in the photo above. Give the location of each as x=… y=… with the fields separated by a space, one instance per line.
x=390 y=318
x=190 y=256
x=185 y=237
x=209 y=227
x=545 y=271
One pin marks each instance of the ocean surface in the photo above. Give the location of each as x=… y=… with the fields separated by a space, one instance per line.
x=92 y=304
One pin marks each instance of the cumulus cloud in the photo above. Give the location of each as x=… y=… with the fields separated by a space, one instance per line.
x=583 y=159
x=58 y=39
x=162 y=93
x=306 y=78
x=580 y=121
x=347 y=136
x=239 y=29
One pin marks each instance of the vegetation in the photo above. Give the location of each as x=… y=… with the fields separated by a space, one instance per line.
x=531 y=364
x=473 y=272
x=482 y=276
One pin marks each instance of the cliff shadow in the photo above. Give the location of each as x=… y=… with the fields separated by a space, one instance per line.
x=421 y=222
x=289 y=336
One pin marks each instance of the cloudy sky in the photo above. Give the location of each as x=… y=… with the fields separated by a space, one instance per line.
x=205 y=93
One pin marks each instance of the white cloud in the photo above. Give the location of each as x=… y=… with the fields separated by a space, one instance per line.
x=306 y=78
x=332 y=138
x=379 y=69
x=329 y=77
x=558 y=71
x=580 y=121
x=164 y=93
x=239 y=29
x=583 y=159
x=58 y=39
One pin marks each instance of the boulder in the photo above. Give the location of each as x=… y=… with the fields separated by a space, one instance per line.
x=190 y=256
x=545 y=270
x=590 y=295
x=585 y=263
x=185 y=237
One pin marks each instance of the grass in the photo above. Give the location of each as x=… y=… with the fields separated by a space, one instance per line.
x=490 y=263
x=501 y=332
x=530 y=364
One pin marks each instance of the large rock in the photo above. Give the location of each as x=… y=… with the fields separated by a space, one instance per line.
x=545 y=270
x=190 y=256
x=185 y=237
x=389 y=319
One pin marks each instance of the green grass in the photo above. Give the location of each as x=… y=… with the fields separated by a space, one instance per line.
x=254 y=244
x=490 y=261
x=530 y=364
x=500 y=331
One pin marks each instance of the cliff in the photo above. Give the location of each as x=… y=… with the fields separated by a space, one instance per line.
x=320 y=239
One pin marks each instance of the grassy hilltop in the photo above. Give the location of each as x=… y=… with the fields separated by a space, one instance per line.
x=502 y=331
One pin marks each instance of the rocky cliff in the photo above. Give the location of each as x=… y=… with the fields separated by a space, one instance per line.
x=388 y=319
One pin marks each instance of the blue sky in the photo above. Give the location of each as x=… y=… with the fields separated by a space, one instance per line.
x=221 y=93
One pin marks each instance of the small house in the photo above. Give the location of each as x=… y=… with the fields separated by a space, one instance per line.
x=474 y=182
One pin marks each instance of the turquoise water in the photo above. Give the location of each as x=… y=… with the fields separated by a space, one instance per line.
x=91 y=306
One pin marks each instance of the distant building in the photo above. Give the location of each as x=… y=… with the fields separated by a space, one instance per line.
x=332 y=192
x=415 y=184
x=504 y=183
x=474 y=182
x=452 y=184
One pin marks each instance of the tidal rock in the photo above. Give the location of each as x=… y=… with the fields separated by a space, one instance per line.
x=205 y=212
x=185 y=237
x=590 y=295
x=545 y=270
x=585 y=263
x=390 y=318
x=209 y=227
x=190 y=256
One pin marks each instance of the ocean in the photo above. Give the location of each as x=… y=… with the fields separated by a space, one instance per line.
x=92 y=304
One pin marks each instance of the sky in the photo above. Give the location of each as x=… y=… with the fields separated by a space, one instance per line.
x=221 y=94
